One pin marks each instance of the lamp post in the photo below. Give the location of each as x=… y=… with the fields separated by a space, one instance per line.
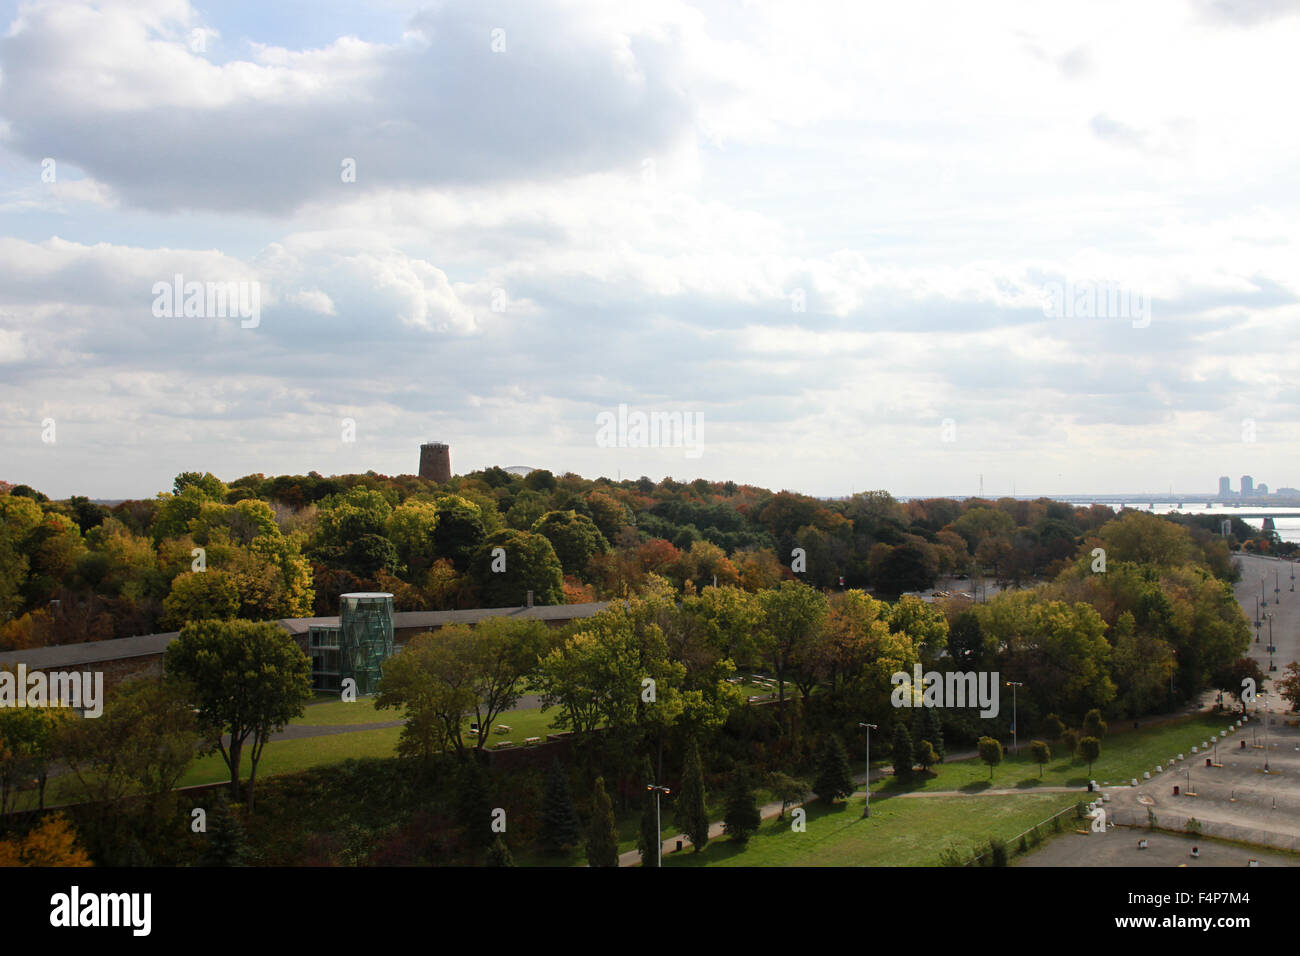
x=1015 y=740
x=1277 y=585
x=866 y=806
x=1262 y=599
x=659 y=836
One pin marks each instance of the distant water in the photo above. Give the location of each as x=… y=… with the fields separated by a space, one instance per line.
x=1288 y=529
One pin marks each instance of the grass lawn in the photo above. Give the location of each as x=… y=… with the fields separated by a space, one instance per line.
x=332 y=712
x=906 y=831
x=1124 y=755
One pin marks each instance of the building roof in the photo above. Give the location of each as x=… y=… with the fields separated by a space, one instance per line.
x=94 y=652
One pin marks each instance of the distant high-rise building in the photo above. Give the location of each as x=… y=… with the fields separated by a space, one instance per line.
x=435 y=461
x=1262 y=489
x=1225 y=487
x=1247 y=486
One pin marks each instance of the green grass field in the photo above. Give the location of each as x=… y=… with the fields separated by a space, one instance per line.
x=902 y=831
x=1123 y=756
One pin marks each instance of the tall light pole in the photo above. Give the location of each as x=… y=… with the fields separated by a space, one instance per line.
x=659 y=836
x=1262 y=599
x=1277 y=585
x=866 y=806
x=1015 y=740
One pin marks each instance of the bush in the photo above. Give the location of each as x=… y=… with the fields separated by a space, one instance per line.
x=997 y=852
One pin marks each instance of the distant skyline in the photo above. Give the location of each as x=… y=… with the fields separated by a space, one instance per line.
x=858 y=246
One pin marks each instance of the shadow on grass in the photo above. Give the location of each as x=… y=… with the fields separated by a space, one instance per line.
x=976 y=786
x=1029 y=783
x=715 y=851
x=896 y=785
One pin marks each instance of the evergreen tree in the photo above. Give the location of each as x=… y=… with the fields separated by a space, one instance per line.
x=648 y=840
x=560 y=827
x=474 y=805
x=833 y=778
x=931 y=729
x=499 y=853
x=602 y=837
x=742 y=817
x=227 y=845
x=691 y=815
x=902 y=751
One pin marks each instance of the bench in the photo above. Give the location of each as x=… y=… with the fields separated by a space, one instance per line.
x=530 y=741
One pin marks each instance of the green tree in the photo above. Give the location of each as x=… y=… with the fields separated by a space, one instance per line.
x=474 y=804
x=1041 y=754
x=574 y=537
x=990 y=751
x=742 y=818
x=530 y=565
x=499 y=854
x=691 y=816
x=793 y=614
x=1070 y=741
x=1054 y=727
x=789 y=789
x=925 y=755
x=247 y=680
x=560 y=828
x=201 y=596
x=460 y=531
x=428 y=681
x=902 y=747
x=28 y=744
x=1090 y=750
x=141 y=745
x=1093 y=725
x=602 y=835
x=227 y=844
x=931 y=728
x=833 y=779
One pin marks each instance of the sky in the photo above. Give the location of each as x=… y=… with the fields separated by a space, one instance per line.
x=849 y=246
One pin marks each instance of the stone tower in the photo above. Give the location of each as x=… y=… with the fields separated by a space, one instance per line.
x=435 y=461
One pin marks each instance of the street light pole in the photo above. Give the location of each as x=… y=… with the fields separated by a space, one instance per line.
x=866 y=806
x=659 y=835
x=1015 y=739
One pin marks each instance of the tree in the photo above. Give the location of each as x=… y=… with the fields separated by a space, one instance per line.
x=474 y=804
x=792 y=615
x=560 y=828
x=602 y=835
x=247 y=681
x=966 y=641
x=789 y=789
x=1090 y=750
x=925 y=755
x=1070 y=741
x=28 y=744
x=201 y=596
x=833 y=779
x=1093 y=725
x=141 y=745
x=499 y=853
x=1241 y=674
x=429 y=683
x=1054 y=726
x=530 y=565
x=902 y=747
x=227 y=844
x=990 y=751
x=574 y=537
x=53 y=842
x=742 y=818
x=1041 y=754
x=691 y=815
x=1289 y=686
x=930 y=728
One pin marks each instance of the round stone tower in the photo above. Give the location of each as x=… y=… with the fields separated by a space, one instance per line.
x=435 y=461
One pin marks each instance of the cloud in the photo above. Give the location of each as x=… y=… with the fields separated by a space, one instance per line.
x=117 y=90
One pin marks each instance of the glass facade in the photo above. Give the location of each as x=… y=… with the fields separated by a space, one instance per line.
x=365 y=638
x=357 y=647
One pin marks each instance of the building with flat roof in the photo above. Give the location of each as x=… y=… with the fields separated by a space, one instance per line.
x=354 y=644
